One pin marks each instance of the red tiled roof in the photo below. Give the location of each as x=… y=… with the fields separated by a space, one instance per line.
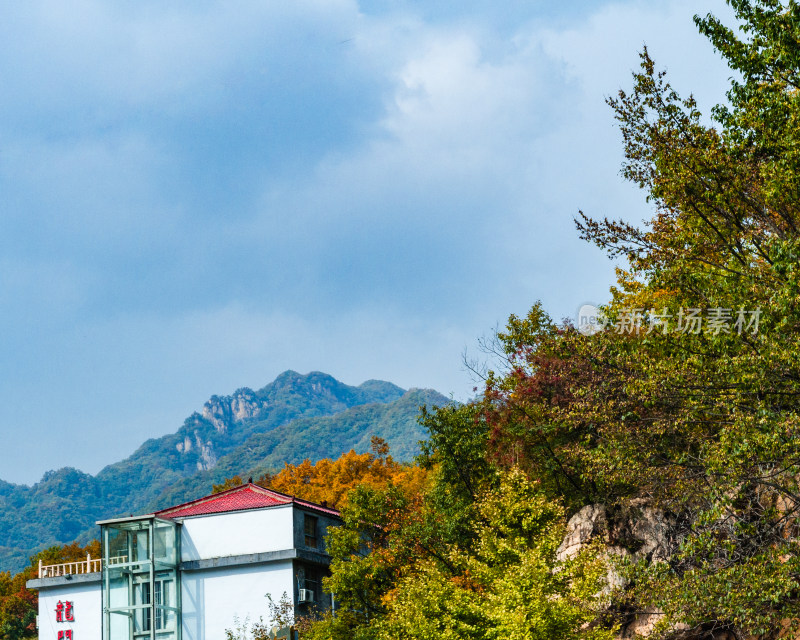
x=245 y=497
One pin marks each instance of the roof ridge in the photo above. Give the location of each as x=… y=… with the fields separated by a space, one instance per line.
x=230 y=502
x=214 y=496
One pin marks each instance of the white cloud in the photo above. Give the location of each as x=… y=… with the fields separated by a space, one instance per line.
x=209 y=194
x=149 y=54
x=600 y=52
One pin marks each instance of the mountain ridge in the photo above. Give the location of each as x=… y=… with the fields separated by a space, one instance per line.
x=66 y=502
x=351 y=429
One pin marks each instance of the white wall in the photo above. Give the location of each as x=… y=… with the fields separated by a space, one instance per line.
x=212 y=597
x=87 y=609
x=239 y=533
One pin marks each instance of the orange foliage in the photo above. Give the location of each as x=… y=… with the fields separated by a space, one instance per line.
x=329 y=481
x=17 y=602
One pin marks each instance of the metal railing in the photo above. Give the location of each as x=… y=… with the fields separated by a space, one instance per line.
x=90 y=565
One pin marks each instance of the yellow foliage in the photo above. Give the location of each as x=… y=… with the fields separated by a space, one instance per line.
x=329 y=481
x=230 y=483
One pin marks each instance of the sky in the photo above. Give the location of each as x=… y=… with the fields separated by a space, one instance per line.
x=196 y=196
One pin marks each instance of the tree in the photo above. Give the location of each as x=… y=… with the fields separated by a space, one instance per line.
x=510 y=585
x=18 y=604
x=702 y=424
x=401 y=578
x=329 y=481
x=387 y=531
x=281 y=615
x=472 y=555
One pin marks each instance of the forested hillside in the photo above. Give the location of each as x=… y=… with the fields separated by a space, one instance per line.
x=248 y=431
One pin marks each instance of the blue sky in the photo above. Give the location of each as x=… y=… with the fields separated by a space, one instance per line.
x=197 y=196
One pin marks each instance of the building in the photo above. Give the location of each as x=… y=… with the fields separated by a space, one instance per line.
x=188 y=572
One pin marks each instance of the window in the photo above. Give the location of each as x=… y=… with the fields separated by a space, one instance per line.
x=142 y=616
x=162 y=600
x=311 y=581
x=310 y=530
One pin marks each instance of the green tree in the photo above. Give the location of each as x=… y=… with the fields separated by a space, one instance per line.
x=702 y=424
x=388 y=531
x=507 y=583
x=472 y=555
x=510 y=584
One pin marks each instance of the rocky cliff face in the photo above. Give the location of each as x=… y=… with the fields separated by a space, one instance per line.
x=224 y=411
x=226 y=422
x=637 y=532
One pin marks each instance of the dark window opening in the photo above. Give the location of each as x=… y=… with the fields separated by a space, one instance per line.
x=311 y=581
x=310 y=531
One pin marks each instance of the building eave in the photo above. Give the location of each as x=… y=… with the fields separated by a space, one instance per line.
x=147 y=516
x=63 y=581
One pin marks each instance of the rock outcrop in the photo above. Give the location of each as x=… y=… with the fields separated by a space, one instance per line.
x=635 y=532
x=225 y=411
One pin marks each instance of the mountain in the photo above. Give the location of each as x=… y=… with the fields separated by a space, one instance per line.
x=224 y=423
x=315 y=438
x=292 y=418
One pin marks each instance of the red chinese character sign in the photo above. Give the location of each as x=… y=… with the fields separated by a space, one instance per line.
x=65 y=613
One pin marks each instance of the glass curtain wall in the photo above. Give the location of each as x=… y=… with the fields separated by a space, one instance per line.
x=141 y=582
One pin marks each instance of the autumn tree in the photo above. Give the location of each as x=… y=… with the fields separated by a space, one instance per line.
x=700 y=420
x=329 y=481
x=18 y=604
